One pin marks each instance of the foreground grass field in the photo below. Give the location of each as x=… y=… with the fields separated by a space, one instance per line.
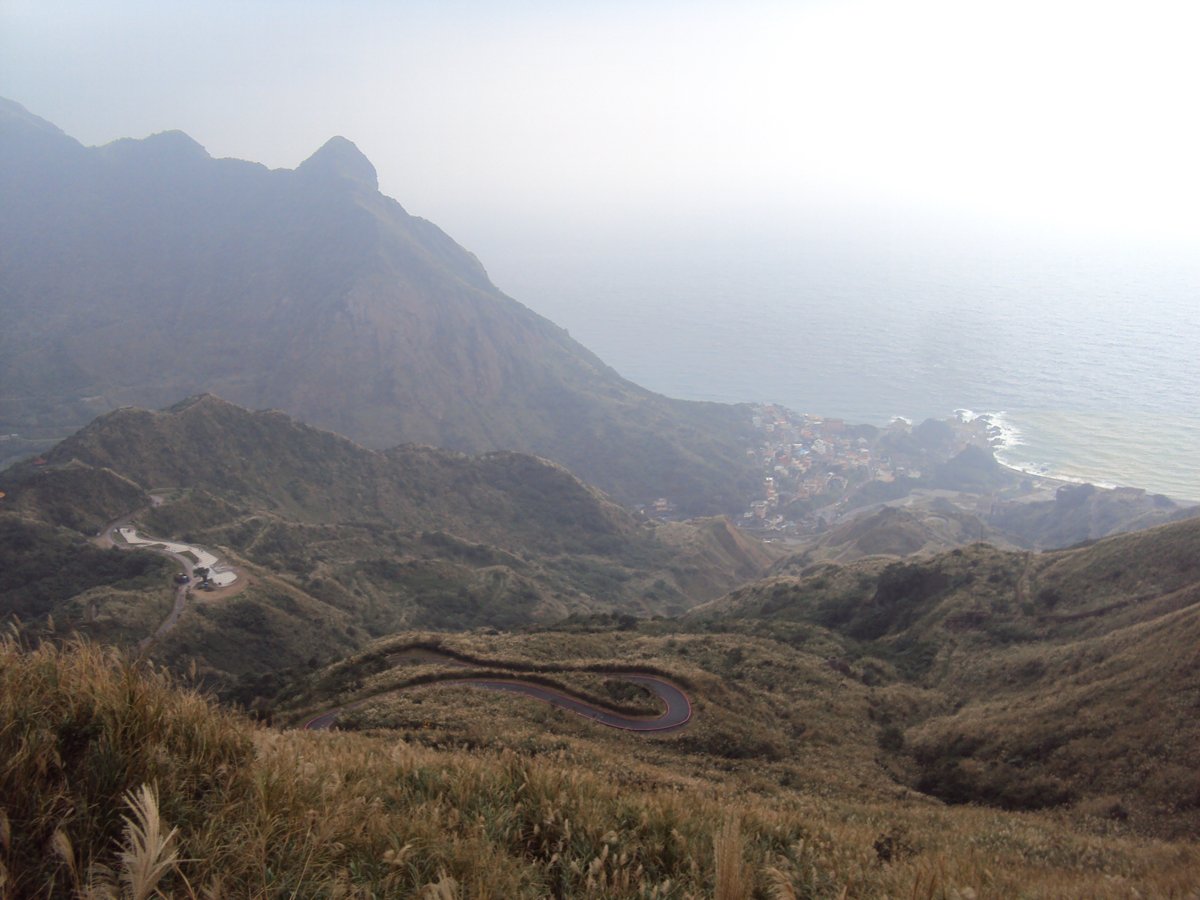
x=551 y=808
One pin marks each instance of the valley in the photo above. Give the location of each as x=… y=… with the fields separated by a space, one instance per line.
x=851 y=709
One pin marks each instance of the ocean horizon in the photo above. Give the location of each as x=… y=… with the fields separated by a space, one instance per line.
x=1086 y=356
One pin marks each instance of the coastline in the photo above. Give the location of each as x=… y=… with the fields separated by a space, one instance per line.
x=1004 y=436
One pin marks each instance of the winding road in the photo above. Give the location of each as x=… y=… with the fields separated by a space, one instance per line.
x=676 y=714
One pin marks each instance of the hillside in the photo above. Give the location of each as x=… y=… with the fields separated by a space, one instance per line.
x=340 y=543
x=1065 y=678
x=1084 y=512
x=142 y=272
x=896 y=531
x=462 y=670
x=978 y=722
x=509 y=799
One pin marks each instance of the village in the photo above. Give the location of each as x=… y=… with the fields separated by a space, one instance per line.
x=815 y=467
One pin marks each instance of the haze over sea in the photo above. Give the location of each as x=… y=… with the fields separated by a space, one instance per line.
x=1088 y=355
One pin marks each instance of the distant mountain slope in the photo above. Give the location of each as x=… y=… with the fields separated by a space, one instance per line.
x=889 y=531
x=145 y=271
x=925 y=522
x=341 y=542
x=269 y=462
x=1084 y=512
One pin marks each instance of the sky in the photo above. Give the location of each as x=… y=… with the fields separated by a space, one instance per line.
x=545 y=119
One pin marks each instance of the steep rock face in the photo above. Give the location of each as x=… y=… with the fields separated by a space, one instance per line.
x=145 y=271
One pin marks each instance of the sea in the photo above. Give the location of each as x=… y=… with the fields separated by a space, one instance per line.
x=1086 y=355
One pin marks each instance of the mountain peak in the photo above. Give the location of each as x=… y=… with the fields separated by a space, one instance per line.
x=340 y=158
x=198 y=400
x=176 y=140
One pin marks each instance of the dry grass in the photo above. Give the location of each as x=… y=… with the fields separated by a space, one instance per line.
x=253 y=812
x=733 y=878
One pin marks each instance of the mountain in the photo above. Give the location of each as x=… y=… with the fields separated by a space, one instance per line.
x=1083 y=512
x=339 y=542
x=144 y=271
x=1048 y=515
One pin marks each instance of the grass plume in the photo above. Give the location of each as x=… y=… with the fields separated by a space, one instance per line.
x=148 y=854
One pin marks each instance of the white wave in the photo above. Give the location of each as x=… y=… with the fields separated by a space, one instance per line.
x=1005 y=437
x=1002 y=433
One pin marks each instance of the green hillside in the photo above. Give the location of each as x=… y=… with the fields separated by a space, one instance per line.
x=975 y=722
x=454 y=792
x=338 y=543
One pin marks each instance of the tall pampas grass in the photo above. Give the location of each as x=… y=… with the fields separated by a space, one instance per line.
x=149 y=852
x=733 y=877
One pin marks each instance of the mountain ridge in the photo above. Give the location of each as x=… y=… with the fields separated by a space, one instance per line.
x=1047 y=679
x=339 y=542
x=145 y=271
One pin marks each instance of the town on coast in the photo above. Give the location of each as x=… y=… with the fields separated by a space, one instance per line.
x=815 y=470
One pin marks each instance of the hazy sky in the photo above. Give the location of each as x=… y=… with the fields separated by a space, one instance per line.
x=1048 y=114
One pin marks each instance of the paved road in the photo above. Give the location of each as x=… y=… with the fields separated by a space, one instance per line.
x=676 y=714
x=107 y=538
x=181 y=598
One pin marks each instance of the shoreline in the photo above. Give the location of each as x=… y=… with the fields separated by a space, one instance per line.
x=1003 y=435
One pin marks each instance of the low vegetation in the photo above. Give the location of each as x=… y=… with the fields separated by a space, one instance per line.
x=1059 y=680
x=978 y=722
x=45 y=571
x=341 y=544
x=116 y=780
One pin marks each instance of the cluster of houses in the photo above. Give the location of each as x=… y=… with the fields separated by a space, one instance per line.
x=802 y=457
x=809 y=463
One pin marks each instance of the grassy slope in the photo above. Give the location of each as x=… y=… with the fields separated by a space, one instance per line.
x=341 y=543
x=46 y=571
x=1066 y=678
x=539 y=805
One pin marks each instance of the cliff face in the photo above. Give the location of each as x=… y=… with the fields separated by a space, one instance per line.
x=145 y=271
